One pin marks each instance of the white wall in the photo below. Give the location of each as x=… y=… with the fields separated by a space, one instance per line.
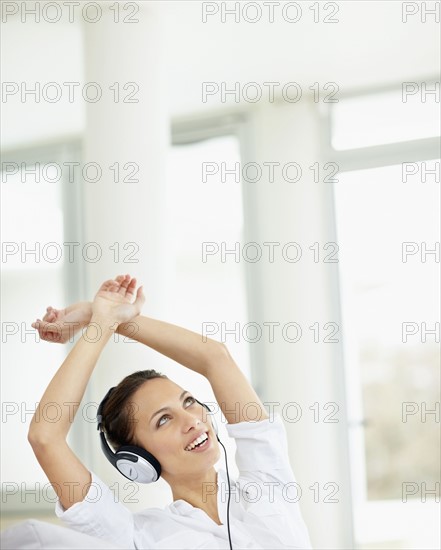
x=370 y=46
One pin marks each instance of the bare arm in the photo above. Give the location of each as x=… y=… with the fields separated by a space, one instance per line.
x=236 y=397
x=68 y=476
x=180 y=344
x=67 y=387
x=238 y=400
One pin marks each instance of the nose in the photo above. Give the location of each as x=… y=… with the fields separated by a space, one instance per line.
x=191 y=421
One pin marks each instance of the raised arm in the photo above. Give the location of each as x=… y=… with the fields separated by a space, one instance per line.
x=68 y=476
x=210 y=358
x=234 y=394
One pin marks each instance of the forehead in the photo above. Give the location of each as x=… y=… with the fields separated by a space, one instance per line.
x=155 y=394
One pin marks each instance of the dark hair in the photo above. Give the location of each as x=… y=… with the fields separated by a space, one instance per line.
x=118 y=410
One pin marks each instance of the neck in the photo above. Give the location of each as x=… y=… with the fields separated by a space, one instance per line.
x=200 y=491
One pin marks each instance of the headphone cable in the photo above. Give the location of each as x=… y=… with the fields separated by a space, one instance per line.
x=229 y=494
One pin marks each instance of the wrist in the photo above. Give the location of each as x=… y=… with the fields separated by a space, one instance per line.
x=86 y=308
x=106 y=324
x=82 y=312
x=126 y=328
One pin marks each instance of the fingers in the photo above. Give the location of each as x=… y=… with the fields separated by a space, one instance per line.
x=140 y=298
x=109 y=285
x=127 y=285
x=51 y=314
x=48 y=331
x=124 y=284
x=131 y=287
x=44 y=326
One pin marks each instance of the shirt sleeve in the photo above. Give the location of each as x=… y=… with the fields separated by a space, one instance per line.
x=262 y=446
x=266 y=479
x=100 y=515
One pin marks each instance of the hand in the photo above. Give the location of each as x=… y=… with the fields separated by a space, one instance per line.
x=114 y=301
x=60 y=325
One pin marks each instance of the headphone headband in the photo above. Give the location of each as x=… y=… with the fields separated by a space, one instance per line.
x=99 y=415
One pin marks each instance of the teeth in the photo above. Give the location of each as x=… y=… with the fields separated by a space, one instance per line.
x=200 y=439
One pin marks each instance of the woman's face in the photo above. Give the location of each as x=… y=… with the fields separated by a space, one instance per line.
x=167 y=434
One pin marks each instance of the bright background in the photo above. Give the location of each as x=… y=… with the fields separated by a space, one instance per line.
x=371 y=374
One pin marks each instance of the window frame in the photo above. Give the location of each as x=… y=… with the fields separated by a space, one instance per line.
x=378 y=155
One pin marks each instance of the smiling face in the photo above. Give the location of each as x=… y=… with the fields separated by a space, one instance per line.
x=167 y=434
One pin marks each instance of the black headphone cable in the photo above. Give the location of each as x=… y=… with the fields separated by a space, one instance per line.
x=229 y=495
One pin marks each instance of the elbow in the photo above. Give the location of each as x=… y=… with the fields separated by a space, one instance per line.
x=35 y=436
x=217 y=349
x=223 y=350
x=35 y=440
x=38 y=440
x=219 y=355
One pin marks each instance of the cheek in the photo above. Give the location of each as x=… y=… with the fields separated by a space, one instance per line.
x=170 y=455
x=165 y=447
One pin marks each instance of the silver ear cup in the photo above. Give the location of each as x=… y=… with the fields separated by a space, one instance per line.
x=140 y=471
x=137 y=464
x=133 y=462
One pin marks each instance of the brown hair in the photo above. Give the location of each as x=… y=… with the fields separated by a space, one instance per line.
x=118 y=418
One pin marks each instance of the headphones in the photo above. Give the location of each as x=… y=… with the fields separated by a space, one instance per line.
x=137 y=464
x=133 y=462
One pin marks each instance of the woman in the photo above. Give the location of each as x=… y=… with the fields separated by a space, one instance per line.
x=150 y=411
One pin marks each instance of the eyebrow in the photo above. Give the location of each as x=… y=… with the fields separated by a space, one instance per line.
x=181 y=397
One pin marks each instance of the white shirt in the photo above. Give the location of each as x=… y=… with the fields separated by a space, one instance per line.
x=264 y=509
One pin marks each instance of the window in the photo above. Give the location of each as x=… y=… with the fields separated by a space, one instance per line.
x=34 y=227
x=386 y=117
x=387 y=225
x=208 y=289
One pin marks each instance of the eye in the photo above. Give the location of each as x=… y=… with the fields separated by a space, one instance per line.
x=159 y=424
x=192 y=400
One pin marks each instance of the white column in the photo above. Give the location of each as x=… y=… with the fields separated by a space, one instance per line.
x=119 y=131
x=305 y=292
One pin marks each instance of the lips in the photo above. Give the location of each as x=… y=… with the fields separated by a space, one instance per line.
x=199 y=441
x=202 y=447
x=202 y=432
